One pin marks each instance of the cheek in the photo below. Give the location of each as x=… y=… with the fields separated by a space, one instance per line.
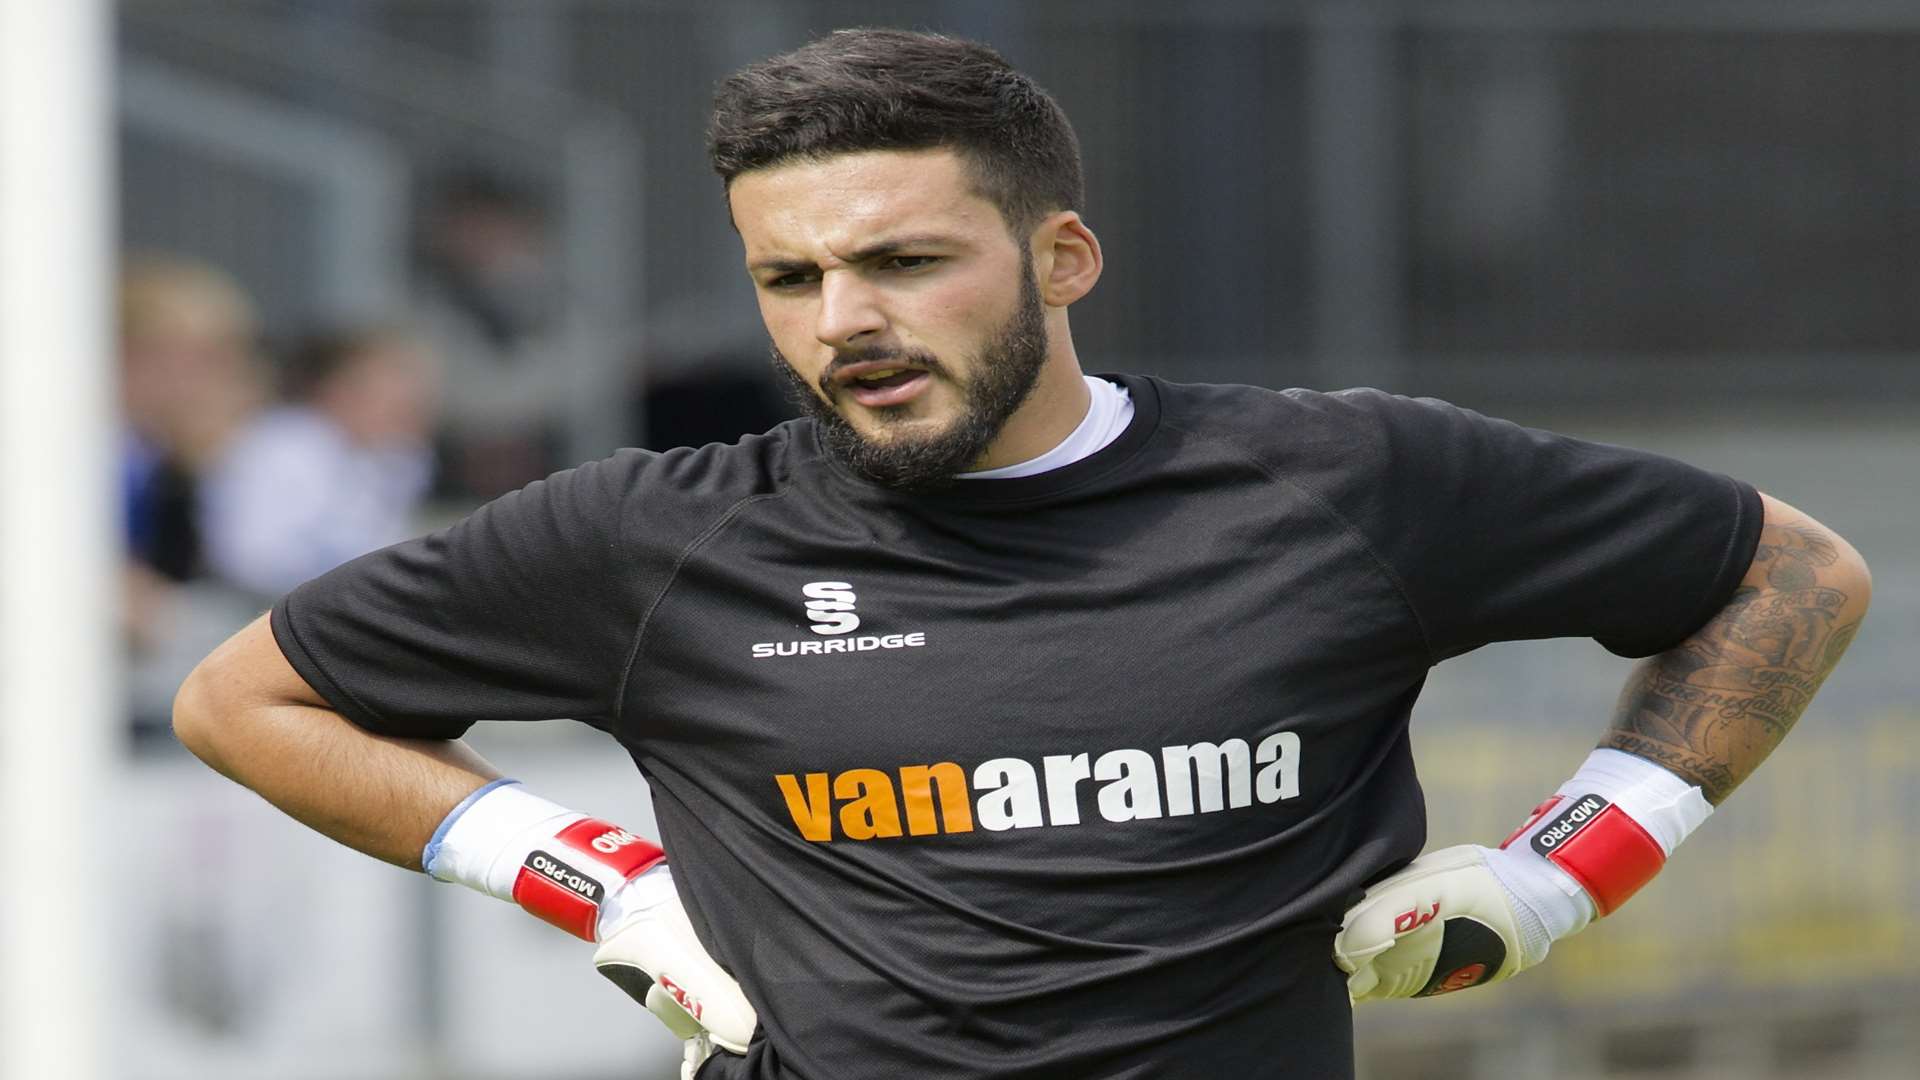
x=799 y=349
x=963 y=313
x=789 y=329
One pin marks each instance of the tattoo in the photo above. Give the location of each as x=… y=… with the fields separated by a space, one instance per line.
x=1842 y=638
x=1713 y=707
x=1794 y=553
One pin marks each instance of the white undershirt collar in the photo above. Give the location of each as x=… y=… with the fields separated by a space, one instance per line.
x=1109 y=411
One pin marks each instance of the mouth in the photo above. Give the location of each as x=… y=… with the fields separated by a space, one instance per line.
x=879 y=384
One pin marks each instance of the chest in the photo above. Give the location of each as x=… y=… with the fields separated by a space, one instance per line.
x=824 y=644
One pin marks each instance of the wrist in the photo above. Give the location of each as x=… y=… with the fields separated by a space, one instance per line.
x=558 y=864
x=1547 y=903
x=1607 y=830
x=646 y=891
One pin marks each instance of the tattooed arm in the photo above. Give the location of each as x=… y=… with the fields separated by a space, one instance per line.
x=1711 y=708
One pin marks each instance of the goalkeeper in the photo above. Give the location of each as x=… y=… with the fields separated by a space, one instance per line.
x=1005 y=720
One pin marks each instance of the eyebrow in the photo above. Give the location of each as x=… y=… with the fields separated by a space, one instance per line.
x=879 y=250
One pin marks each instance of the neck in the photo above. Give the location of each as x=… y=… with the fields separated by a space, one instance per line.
x=1056 y=406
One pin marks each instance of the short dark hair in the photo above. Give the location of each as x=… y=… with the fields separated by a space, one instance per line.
x=876 y=89
x=312 y=361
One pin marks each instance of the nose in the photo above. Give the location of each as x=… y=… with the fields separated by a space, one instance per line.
x=850 y=310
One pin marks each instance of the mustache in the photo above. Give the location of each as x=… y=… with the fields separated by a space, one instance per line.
x=919 y=358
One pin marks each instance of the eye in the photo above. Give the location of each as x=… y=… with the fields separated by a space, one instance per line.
x=910 y=262
x=790 y=281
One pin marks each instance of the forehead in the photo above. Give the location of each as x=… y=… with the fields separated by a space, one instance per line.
x=841 y=203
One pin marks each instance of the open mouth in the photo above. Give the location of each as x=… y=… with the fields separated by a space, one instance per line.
x=880 y=385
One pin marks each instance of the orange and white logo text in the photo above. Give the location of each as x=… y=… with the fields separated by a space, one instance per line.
x=1012 y=793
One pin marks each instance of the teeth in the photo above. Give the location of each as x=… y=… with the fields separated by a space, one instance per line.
x=875 y=376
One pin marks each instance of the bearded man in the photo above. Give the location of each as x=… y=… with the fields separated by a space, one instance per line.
x=1007 y=721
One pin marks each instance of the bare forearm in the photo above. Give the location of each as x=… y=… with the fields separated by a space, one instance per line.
x=375 y=794
x=383 y=796
x=1712 y=708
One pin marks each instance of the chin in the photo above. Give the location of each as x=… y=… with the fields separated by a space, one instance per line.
x=885 y=424
x=906 y=432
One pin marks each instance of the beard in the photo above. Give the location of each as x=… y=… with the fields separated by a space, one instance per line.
x=1003 y=375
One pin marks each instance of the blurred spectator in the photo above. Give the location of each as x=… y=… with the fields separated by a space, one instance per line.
x=189 y=380
x=489 y=303
x=336 y=472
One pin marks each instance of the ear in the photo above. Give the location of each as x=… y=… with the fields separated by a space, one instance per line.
x=1066 y=257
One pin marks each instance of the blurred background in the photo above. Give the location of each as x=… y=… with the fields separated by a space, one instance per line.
x=382 y=261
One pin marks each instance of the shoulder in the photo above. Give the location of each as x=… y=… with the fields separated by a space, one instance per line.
x=666 y=496
x=754 y=465
x=635 y=507
x=1230 y=406
x=1304 y=430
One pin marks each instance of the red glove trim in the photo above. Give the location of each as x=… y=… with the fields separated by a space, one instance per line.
x=1600 y=846
x=1533 y=819
x=557 y=893
x=568 y=895
x=611 y=846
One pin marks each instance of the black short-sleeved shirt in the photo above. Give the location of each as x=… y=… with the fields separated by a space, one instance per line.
x=1065 y=776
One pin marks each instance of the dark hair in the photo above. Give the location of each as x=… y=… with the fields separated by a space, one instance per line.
x=872 y=89
x=314 y=360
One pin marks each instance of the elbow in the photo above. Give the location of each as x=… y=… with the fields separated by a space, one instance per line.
x=1797 y=553
x=1864 y=579
x=1846 y=588
x=227 y=709
x=195 y=714
x=1851 y=576
x=209 y=718
x=240 y=709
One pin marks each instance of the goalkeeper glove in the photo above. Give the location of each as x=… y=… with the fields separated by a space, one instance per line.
x=648 y=949
x=603 y=884
x=1469 y=916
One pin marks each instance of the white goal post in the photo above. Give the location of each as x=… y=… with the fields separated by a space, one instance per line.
x=59 y=574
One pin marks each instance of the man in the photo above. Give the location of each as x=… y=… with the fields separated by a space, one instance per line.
x=1004 y=721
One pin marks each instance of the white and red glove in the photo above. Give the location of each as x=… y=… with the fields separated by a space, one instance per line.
x=1469 y=916
x=603 y=884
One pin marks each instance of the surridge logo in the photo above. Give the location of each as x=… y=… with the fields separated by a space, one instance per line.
x=830 y=606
